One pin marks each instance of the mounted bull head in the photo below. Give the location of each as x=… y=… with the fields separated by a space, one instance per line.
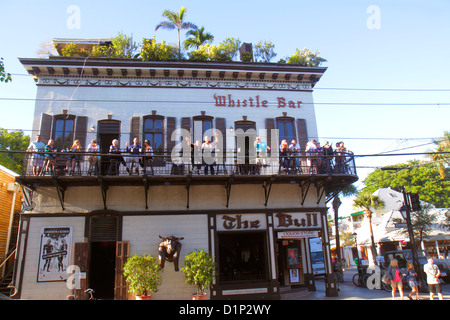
x=169 y=249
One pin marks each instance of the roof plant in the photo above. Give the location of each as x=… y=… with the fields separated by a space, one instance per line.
x=176 y=21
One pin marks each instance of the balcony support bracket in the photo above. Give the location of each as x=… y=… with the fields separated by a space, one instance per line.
x=104 y=189
x=61 y=190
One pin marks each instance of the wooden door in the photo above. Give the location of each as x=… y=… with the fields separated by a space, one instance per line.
x=120 y=285
x=81 y=260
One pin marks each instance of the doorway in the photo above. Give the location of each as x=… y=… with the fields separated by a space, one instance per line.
x=290 y=266
x=102 y=271
x=108 y=130
x=245 y=132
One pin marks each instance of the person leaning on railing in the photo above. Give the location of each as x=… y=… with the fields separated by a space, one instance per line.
x=93 y=160
x=116 y=158
x=37 y=159
x=50 y=158
x=134 y=149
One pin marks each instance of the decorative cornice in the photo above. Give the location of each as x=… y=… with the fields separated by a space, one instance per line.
x=44 y=80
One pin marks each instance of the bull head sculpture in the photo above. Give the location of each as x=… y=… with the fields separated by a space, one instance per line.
x=169 y=249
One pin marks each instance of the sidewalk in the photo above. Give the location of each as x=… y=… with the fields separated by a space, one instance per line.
x=348 y=291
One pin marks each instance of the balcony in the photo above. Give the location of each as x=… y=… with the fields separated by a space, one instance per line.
x=68 y=169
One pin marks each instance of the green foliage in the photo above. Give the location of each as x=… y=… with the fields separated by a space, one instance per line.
x=71 y=50
x=307 y=58
x=142 y=274
x=4 y=77
x=246 y=56
x=13 y=141
x=153 y=51
x=264 y=51
x=199 y=270
x=231 y=47
x=199 y=37
x=209 y=52
x=368 y=201
x=423 y=178
x=124 y=46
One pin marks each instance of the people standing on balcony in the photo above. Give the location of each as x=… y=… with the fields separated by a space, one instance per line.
x=340 y=154
x=328 y=157
x=261 y=148
x=134 y=149
x=294 y=151
x=74 y=159
x=284 y=158
x=37 y=159
x=208 y=155
x=93 y=160
x=116 y=159
x=311 y=152
x=147 y=158
x=50 y=157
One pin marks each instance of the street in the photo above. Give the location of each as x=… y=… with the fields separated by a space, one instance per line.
x=348 y=291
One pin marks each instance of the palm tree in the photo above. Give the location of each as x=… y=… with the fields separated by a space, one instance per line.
x=368 y=201
x=443 y=145
x=176 y=21
x=199 y=38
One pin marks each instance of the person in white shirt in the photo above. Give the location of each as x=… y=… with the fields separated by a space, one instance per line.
x=37 y=159
x=433 y=274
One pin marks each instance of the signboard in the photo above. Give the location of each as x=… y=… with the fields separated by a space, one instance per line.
x=241 y=222
x=317 y=257
x=310 y=220
x=297 y=234
x=54 y=253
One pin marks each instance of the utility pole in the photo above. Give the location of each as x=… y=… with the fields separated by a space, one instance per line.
x=406 y=213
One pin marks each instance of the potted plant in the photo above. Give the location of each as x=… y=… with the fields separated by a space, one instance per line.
x=199 y=271
x=142 y=275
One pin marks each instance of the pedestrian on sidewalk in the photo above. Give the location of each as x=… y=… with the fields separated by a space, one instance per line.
x=338 y=271
x=395 y=276
x=411 y=276
x=433 y=274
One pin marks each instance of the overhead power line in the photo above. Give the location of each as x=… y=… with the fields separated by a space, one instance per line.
x=439 y=104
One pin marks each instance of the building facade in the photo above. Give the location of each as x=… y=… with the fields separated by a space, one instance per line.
x=264 y=223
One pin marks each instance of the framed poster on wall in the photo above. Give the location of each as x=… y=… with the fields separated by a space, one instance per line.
x=294 y=276
x=54 y=253
x=293 y=259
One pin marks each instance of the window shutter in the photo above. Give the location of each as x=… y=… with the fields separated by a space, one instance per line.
x=186 y=124
x=270 y=125
x=221 y=126
x=120 y=284
x=81 y=260
x=135 y=128
x=81 y=130
x=46 y=127
x=302 y=133
x=170 y=128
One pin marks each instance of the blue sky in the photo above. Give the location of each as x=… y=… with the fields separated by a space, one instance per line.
x=409 y=50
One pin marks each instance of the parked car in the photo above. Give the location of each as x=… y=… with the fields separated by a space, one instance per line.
x=404 y=256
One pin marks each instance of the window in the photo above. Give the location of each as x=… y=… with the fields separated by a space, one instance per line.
x=286 y=129
x=154 y=132
x=63 y=131
x=242 y=256
x=201 y=126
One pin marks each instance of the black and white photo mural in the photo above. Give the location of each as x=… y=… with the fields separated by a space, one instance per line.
x=54 y=253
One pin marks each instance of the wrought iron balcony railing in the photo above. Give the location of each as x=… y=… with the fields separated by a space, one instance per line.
x=164 y=163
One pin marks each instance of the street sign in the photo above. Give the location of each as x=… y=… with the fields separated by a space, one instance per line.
x=401 y=225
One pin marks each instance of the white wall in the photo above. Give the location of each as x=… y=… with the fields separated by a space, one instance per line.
x=143 y=234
